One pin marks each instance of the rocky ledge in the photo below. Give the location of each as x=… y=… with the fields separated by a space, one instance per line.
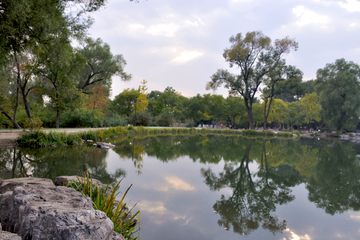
x=35 y=208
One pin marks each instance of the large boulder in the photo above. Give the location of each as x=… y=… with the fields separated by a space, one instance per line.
x=45 y=211
x=8 y=235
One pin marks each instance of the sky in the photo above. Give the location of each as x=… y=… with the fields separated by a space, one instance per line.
x=180 y=43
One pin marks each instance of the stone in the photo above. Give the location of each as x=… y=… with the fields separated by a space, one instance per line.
x=10 y=184
x=103 y=145
x=62 y=180
x=44 y=211
x=9 y=236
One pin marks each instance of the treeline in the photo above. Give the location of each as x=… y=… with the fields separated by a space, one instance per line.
x=46 y=80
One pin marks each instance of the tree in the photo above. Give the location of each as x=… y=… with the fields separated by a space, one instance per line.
x=278 y=112
x=311 y=107
x=280 y=74
x=234 y=107
x=123 y=102
x=58 y=67
x=256 y=56
x=99 y=98
x=339 y=94
x=101 y=65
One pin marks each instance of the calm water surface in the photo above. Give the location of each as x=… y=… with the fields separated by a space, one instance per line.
x=216 y=187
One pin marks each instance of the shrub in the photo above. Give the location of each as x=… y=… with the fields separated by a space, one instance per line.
x=165 y=119
x=143 y=118
x=251 y=132
x=284 y=134
x=82 y=117
x=33 y=124
x=190 y=123
x=268 y=133
x=114 y=120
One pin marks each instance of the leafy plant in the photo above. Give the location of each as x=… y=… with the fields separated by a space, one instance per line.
x=124 y=222
x=33 y=124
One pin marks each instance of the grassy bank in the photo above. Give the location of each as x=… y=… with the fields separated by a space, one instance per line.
x=38 y=138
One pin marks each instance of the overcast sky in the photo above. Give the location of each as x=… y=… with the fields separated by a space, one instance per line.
x=180 y=43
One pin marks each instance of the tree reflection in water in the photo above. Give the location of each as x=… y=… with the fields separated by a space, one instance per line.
x=254 y=196
x=52 y=162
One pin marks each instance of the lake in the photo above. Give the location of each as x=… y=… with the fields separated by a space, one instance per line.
x=218 y=187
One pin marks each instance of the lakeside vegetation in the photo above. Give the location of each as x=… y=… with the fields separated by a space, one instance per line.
x=38 y=138
x=125 y=223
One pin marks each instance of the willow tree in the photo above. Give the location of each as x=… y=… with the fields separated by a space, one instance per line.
x=339 y=94
x=255 y=55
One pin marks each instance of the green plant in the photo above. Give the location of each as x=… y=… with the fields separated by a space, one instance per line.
x=124 y=222
x=33 y=124
x=268 y=133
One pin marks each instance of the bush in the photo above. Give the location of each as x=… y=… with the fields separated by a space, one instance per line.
x=143 y=118
x=82 y=117
x=251 y=132
x=268 y=133
x=284 y=134
x=33 y=124
x=114 y=120
x=190 y=123
x=165 y=119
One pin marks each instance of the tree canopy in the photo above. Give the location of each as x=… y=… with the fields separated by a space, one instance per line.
x=255 y=55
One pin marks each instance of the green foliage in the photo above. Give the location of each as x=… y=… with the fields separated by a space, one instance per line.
x=255 y=55
x=143 y=118
x=311 y=107
x=33 y=124
x=190 y=123
x=101 y=65
x=124 y=222
x=38 y=139
x=339 y=93
x=113 y=120
x=268 y=133
x=166 y=118
x=251 y=132
x=82 y=117
x=283 y=134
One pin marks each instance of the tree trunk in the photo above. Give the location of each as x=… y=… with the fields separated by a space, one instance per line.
x=265 y=116
x=251 y=121
x=16 y=125
x=57 y=118
x=26 y=104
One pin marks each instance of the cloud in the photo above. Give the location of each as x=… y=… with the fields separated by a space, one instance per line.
x=351 y=5
x=186 y=56
x=167 y=30
x=306 y=17
x=175 y=183
x=294 y=236
x=152 y=207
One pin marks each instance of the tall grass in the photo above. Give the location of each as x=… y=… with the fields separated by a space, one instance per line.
x=125 y=223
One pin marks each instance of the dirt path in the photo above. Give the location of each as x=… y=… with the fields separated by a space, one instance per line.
x=7 y=137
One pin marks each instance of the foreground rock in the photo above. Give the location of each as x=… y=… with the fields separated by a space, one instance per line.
x=35 y=208
x=8 y=236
